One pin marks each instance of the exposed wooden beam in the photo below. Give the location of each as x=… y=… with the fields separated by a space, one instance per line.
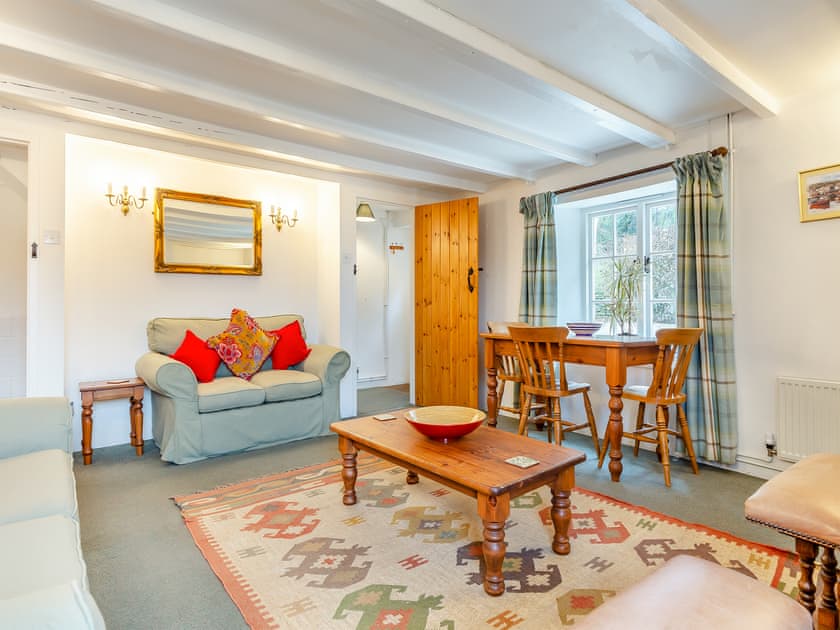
x=138 y=75
x=610 y=113
x=102 y=111
x=660 y=23
x=198 y=27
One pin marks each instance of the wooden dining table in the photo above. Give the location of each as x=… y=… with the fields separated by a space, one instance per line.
x=615 y=353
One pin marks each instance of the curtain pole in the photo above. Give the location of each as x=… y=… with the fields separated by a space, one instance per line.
x=722 y=151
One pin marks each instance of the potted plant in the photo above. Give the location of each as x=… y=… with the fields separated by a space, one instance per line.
x=625 y=291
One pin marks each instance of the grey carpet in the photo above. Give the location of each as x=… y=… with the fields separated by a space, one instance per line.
x=376 y=399
x=145 y=572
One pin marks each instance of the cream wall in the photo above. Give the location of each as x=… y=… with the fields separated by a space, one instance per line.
x=785 y=273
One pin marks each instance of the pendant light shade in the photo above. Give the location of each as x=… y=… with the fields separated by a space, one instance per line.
x=364 y=213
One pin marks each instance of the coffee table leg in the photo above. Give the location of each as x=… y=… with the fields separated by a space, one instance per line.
x=561 y=513
x=411 y=477
x=494 y=511
x=348 y=470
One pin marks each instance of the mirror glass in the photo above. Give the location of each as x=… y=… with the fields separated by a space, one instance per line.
x=196 y=233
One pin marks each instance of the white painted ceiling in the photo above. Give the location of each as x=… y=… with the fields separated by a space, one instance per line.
x=449 y=94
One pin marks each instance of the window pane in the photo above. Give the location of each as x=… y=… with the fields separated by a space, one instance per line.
x=602 y=313
x=625 y=233
x=663 y=276
x=664 y=315
x=602 y=234
x=663 y=228
x=602 y=273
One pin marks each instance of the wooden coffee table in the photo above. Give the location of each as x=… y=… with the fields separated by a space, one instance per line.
x=474 y=465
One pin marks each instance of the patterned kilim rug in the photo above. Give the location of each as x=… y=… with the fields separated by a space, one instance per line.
x=291 y=555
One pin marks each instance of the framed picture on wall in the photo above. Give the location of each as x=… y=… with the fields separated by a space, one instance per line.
x=819 y=193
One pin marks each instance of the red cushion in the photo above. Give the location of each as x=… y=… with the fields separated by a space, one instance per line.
x=291 y=346
x=203 y=361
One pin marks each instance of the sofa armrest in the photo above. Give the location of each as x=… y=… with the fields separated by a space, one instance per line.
x=327 y=363
x=34 y=424
x=167 y=376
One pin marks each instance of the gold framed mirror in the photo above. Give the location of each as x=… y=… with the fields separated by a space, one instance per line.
x=196 y=233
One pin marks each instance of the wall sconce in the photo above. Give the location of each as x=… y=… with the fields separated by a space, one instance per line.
x=124 y=200
x=364 y=213
x=279 y=219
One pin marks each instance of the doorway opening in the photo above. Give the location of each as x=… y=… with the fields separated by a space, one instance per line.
x=13 y=267
x=384 y=307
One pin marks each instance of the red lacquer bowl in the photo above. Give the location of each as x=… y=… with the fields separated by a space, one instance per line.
x=445 y=422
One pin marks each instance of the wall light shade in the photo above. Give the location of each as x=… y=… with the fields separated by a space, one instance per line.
x=364 y=213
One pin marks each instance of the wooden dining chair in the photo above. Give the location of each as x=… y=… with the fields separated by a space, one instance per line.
x=507 y=371
x=676 y=345
x=543 y=369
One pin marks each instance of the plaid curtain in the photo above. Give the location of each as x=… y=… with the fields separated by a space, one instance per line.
x=705 y=300
x=538 y=297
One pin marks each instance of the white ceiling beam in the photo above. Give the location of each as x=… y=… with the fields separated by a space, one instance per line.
x=121 y=115
x=196 y=26
x=610 y=113
x=128 y=72
x=660 y=23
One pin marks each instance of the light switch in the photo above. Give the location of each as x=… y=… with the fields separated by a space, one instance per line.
x=51 y=237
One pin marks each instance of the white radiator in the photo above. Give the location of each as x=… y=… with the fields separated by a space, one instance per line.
x=807 y=417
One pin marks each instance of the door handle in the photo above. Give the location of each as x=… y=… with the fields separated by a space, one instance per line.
x=470 y=274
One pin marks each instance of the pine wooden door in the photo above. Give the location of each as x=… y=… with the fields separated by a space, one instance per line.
x=446 y=303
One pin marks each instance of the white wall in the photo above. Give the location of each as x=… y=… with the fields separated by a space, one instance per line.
x=785 y=273
x=400 y=311
x=14 y=254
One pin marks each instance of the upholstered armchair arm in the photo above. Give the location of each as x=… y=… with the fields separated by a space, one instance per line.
x=166 y=376
x=327 y=363
x=34 y=424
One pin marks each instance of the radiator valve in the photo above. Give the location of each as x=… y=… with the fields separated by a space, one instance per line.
x=770 y=443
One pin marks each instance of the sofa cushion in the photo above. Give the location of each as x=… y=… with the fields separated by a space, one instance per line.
x=165 y=334
x=228 y=392
x=198 y=356
x=244 y=346
x=43 y=485
x=291 y=347
x=66 y=606
x=287 y=384
x=40 y=553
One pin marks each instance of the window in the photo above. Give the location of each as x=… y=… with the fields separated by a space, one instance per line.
x=643 y=229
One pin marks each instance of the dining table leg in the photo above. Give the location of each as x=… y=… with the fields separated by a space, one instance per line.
x=615 y=429
x=492 y=397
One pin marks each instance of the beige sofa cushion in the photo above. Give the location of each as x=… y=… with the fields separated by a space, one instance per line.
x=37 y=484
x=287 y=384
x=228 y=392
x=692 y=594
x=40 y=553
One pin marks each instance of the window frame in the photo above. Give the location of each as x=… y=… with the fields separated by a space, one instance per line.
x=643 y=208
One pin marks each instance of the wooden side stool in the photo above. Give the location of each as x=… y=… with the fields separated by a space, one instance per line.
x=693 y=594
x=92 y=391
x=803 y=502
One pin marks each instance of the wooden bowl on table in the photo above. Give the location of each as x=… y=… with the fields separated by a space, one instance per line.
x=445 y=422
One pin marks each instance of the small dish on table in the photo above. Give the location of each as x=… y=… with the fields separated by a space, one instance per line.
x=584 y=329
x=445 y=422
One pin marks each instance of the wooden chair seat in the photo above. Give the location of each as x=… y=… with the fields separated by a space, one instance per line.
x=676 y=345
x=540 y=351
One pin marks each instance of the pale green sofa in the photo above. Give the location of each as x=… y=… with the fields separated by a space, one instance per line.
x=43 y=580
x=193 y=421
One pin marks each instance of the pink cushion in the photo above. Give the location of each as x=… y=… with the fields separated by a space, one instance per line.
x=201 y=359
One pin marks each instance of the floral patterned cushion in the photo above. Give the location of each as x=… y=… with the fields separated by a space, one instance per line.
x=243 y=345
